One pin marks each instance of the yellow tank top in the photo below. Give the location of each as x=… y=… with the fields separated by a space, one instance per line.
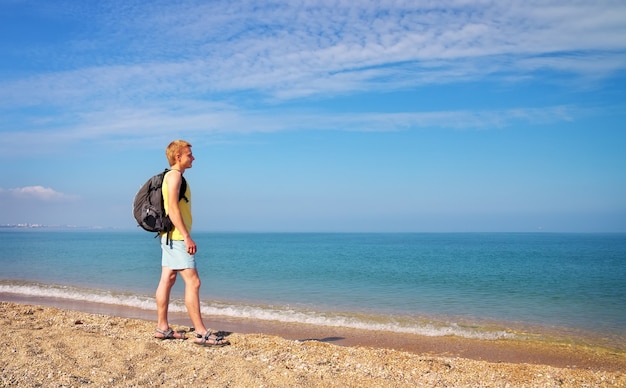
x=185 y=209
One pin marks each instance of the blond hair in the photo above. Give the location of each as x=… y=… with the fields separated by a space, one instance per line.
x=175 y=148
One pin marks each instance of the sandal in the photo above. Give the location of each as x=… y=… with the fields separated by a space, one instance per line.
x=170 y=334
x=207 y=340
x=219 y=333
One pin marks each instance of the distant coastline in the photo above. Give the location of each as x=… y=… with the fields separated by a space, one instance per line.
x=43 y=226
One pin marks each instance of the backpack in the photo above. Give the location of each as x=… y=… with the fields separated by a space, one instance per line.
x=148 y=206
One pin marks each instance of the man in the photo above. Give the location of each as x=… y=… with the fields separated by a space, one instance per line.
x=178 y=251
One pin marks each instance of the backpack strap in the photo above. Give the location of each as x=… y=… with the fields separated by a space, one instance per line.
x=183 y=190
x=168 y=236
x=169 y=232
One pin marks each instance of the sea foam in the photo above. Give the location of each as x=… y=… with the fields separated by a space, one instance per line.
x=286 y=314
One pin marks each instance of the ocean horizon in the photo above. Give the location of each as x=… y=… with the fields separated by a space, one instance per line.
x=562 y=286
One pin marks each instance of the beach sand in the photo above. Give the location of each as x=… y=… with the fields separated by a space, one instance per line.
x=47 y=346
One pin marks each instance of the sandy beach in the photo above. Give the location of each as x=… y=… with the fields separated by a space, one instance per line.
x=46 y=346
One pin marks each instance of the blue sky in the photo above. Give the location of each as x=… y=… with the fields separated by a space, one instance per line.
x=359 y=116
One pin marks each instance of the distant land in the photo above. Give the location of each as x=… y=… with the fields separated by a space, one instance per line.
x=42 y=226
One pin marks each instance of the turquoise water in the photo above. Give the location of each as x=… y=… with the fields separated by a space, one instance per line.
x=492 y=285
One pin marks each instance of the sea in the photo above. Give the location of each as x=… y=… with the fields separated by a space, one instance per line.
x=548 y=286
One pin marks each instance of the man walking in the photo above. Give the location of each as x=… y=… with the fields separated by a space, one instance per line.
x=179 y=249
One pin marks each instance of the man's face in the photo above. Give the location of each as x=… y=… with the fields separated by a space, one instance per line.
x=186 y=157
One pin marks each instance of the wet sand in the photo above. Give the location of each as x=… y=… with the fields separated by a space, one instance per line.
x=84 y=343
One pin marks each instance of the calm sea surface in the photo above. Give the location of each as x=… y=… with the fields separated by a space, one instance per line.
x=490 y=285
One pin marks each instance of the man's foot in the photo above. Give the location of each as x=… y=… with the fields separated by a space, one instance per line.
x=210 y=339
x=170 y=334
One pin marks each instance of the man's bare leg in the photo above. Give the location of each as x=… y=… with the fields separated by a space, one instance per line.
x=192 y=298
x=168 y=278
x=192 y=302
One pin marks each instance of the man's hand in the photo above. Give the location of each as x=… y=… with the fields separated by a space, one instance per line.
x=191 y=246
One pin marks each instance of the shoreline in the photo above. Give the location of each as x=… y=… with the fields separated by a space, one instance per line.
x=537 y=352
x=48 y=346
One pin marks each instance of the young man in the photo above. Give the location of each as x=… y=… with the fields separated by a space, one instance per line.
x=178 y=251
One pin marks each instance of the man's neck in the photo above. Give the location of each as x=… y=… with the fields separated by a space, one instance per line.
x=177 y=168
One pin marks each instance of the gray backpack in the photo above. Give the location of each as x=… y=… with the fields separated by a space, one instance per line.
x=148 y=207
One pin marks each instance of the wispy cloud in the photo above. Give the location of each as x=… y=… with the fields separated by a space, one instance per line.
x=144 y=65
x=289 y=50
x=138 y=126
x=38 y=193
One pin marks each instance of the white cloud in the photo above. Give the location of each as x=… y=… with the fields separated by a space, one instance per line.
x=39 y=193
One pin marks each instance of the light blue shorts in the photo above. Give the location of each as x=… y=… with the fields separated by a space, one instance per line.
x=175 y=255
